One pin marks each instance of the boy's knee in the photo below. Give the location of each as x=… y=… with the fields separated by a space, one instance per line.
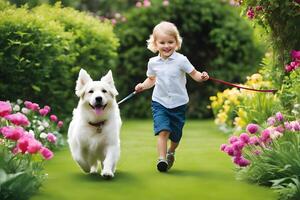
x=164 y=134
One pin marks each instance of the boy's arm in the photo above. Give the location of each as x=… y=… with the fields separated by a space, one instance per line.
x=147 y=84
x=198 y=76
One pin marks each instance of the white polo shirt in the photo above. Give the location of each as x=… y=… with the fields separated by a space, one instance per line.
x=170 y=86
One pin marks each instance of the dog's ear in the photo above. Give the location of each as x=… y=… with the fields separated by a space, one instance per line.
x=108 y=78
x=83 y=79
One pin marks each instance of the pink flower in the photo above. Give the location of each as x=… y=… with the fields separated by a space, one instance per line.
x=51 y=138
x=43 y=111
x=229 y=150
x=252 y=128
x=113 y=21
x=254 y=140
x=31 y=106
x=166 y=3
x=147 y=3
x=280 y=129
x=241 y=161
x=60 y=124
x=233 y=139
x=265 y=135
x=18 y=119
x=279 y=116
x=12 y=133
x=33 y=146
x=5 y=108
x=250 y=13
x=288 y=126
x=47 y=108
x=23 y=143
x=238 y=145
x=139 y=4
x=271 y=121
x=288 y=68
x=46 y=153
x=244 y=137
x=296 y=54
x=53 y=118
x=222 y=147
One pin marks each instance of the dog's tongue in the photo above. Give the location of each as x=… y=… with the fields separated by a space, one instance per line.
x=99 y=111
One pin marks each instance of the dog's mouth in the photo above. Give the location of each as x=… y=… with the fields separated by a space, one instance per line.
x=98 y=108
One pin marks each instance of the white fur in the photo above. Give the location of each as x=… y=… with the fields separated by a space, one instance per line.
x=88 y=144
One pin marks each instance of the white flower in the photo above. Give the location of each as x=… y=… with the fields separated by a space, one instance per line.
x=25 y=110
x=43 y=135
x=41 y=128
x=19 y=101
x=16 y=108
x=45 y=124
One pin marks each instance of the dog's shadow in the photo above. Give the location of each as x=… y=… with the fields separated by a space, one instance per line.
x=120 y=176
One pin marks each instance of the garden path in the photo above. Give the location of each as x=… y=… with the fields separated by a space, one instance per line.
x=201 y=171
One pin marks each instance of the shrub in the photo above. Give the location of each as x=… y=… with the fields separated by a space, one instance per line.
x=42 y=51
x=34 y=58
x=94 y=42
x=215 y=39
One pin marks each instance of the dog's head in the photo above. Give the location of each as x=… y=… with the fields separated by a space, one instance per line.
x=98 y=95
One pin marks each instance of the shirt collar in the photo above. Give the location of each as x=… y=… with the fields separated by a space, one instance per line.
x=171 y=57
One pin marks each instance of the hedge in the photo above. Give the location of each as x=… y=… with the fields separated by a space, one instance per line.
x=42 y=51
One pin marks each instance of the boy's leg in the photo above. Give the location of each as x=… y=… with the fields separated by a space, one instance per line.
x=163 y=137
x=162 y=164
x=171 y=154
x=173 y=146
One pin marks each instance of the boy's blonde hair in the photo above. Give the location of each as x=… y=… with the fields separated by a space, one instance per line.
x=167 y=28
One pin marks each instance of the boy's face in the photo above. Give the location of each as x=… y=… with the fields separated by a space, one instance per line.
x=165 y=44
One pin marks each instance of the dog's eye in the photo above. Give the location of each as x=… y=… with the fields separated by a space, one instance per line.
x=91 y=91
x=104 y=91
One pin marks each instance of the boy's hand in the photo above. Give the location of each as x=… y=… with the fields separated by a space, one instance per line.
x=139 y=87
x=204 y=76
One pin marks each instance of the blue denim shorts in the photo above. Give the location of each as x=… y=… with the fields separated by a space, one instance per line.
x=171 y=120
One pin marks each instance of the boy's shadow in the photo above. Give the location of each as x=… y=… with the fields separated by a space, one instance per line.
x=196 y=174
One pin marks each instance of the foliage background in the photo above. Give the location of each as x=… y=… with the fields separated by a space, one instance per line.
x=215 y=39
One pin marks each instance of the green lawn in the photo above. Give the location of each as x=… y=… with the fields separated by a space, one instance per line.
x=200 y=172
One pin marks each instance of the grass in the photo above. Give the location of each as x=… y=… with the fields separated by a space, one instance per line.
x=201 y=171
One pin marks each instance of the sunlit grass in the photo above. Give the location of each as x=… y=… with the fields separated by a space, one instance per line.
x=201 y=171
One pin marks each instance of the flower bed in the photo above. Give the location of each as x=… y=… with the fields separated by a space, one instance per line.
x=28 y=137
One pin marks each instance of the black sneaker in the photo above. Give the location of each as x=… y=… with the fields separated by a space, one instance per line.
x=162 y=165
x=170 y=159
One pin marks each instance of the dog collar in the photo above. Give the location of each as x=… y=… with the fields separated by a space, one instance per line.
x=97 y=124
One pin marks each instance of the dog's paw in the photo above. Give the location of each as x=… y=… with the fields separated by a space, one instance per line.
x=107 y=174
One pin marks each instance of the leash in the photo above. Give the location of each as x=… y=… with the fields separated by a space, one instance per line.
x=212 y=79
x=128 y=97
x=241 y=87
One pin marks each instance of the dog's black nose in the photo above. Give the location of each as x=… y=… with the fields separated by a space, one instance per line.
x=98 y=99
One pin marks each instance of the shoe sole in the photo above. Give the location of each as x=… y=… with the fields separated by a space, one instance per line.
x=162 y=166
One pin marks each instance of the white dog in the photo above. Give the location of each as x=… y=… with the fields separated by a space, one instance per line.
x=93 y=134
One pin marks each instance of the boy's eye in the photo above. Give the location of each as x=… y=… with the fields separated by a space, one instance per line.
x=91 y=91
